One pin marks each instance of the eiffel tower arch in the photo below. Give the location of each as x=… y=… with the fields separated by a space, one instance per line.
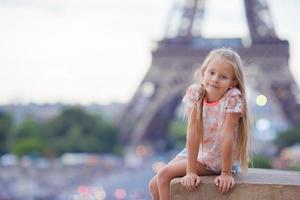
x=147 y=116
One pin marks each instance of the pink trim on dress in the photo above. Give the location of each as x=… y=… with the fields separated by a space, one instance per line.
x=211 y=103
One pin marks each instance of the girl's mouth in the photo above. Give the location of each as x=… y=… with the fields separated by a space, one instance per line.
x=213 y=86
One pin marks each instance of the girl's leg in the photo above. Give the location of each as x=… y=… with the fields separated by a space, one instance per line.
x=154 y=188
x=166 y=174
x=153 y=184
x=175 y=168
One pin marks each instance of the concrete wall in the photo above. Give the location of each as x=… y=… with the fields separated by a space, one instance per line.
x=259 y=184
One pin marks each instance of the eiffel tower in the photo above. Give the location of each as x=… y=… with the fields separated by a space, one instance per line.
x=147 y=116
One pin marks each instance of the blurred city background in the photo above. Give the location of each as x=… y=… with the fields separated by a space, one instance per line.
x=90 y=101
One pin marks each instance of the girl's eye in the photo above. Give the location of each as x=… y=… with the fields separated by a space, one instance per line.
x=223 y=77
x=211 y=73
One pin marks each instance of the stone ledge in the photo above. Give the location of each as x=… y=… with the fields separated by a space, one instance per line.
x=259 y=184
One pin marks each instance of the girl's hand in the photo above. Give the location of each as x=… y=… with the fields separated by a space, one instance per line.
x=190 y=181
x=225 y=182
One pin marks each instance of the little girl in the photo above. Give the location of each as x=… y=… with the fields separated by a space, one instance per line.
x=217 y=132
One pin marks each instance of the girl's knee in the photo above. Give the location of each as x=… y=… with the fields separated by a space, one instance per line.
x=164 y=174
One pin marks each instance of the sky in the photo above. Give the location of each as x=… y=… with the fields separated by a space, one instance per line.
x=98 y=51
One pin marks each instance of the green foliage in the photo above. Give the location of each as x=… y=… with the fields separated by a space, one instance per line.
x=288 y=137
x=75 y=130
x=260 y=161
x=28 y=128
x=294 y=168
x=5 y=130
x=177 y=134
x=30 y=145
x=27 y=138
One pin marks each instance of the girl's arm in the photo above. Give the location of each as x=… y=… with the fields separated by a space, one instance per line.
x=225 y=181
x=191 y=180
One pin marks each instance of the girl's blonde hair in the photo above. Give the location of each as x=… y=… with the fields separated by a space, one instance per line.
x=196 y=121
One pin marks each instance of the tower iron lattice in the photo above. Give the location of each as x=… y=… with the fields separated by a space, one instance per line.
x=147 y=116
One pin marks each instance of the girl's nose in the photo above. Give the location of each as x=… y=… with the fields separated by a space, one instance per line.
x=215 y=78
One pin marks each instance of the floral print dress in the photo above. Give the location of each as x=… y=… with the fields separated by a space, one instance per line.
x=213 y=119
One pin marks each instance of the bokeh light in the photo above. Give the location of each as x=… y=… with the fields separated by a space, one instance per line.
x=120 y=193
x=263 y=124
x=99 y=193
x=142 y=150
x=261 y=100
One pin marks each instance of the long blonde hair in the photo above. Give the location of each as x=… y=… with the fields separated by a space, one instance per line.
x=196 y=121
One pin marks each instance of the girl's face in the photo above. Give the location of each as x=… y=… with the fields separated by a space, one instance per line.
x=218 y=78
